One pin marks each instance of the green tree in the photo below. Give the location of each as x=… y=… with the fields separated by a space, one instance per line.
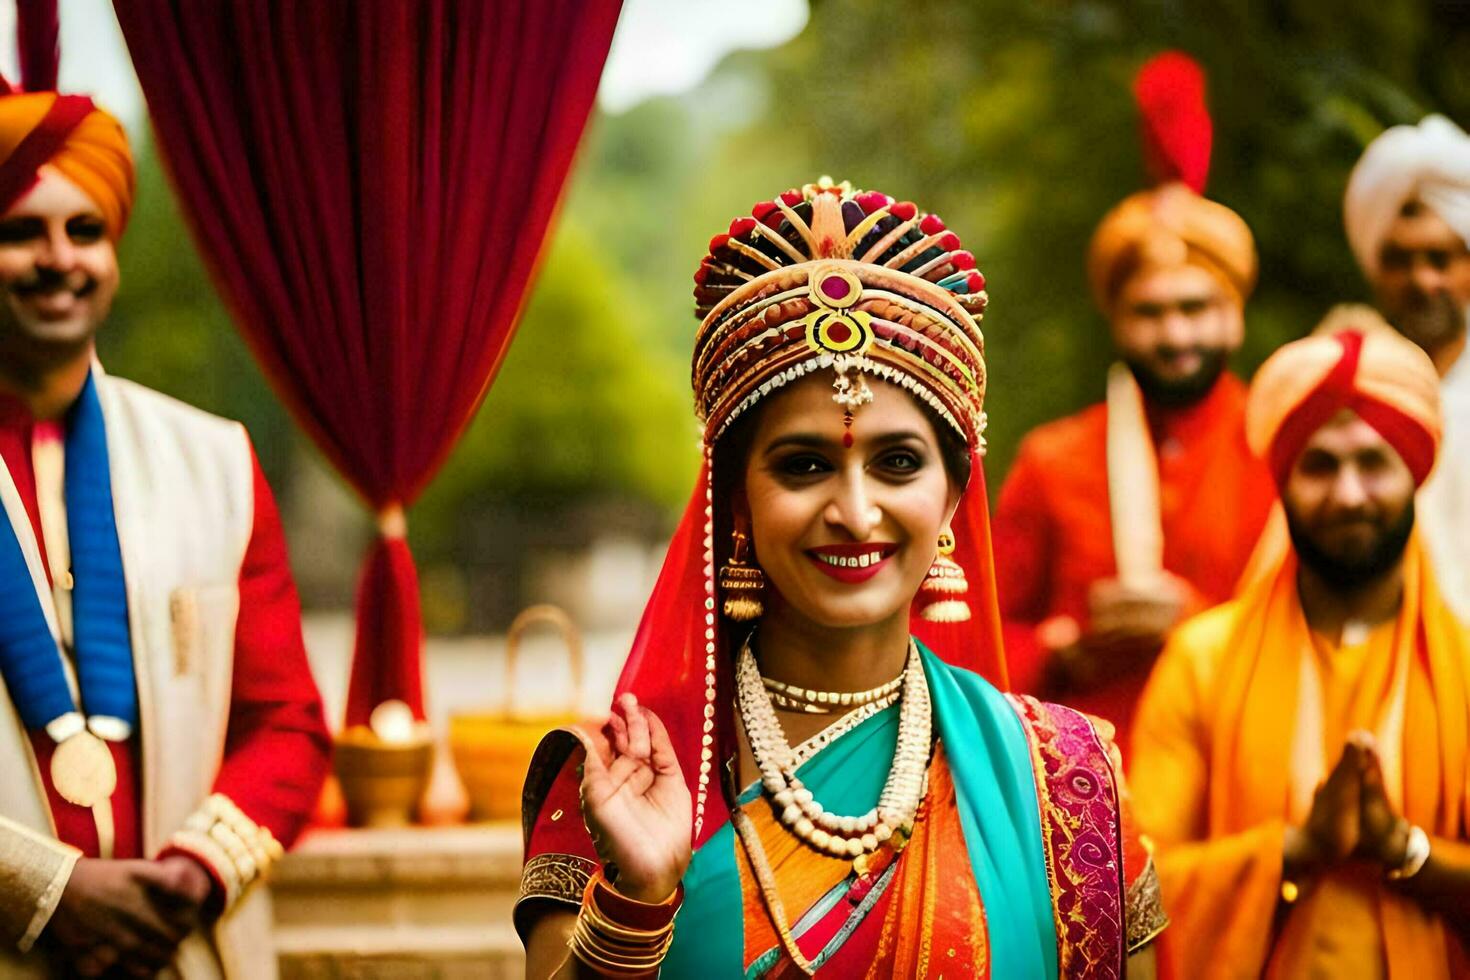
x=588 y=404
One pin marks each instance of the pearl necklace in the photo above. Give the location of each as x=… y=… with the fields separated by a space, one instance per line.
x=794 y=698
x=839 y=836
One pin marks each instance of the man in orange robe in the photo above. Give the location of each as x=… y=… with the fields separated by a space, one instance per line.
x=1300 y=753
x=1116 y=522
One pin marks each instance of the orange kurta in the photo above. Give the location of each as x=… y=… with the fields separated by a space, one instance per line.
x=1244 y=714
x=1053 y=528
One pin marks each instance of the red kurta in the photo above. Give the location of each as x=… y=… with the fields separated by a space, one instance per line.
x=276 y=746
x=1053 y=529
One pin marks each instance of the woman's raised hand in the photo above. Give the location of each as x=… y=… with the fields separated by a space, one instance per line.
x=635 y=801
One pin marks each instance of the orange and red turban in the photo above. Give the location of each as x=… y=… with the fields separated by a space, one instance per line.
x=1172 y=224
x=85 y=143
x=1387 y=381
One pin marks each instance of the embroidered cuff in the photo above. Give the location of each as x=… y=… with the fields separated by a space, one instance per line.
x=235 y=848
x=559 y=878
x=34 y=871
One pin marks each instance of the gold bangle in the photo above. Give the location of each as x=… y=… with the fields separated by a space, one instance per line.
x=633 y=948
x=599 y=920
x=587 y=947
x=613 y=948
x=633 y=955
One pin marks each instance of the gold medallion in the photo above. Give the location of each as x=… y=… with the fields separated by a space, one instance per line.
x=82 y=770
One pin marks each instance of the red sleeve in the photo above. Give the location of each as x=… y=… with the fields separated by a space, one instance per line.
x=277 y=746
x=1022 y=536
x=559 y=856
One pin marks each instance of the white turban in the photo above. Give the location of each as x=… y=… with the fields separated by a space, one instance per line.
x=1429 y=162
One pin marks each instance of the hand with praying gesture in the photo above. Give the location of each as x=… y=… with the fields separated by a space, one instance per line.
x=635 y=802
x=1333 y=830
x=1352 y=816
x=1385 y=834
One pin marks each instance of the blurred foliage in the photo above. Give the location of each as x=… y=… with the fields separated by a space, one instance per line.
x=583 y=406
x=1013 y=121
x=1016 y=123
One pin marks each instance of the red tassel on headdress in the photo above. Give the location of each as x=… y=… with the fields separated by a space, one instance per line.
x=1177 y=132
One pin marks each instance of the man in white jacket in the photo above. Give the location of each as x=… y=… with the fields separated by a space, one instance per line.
x=161 y=737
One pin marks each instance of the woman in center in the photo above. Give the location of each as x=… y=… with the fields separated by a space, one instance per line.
x=790 y=781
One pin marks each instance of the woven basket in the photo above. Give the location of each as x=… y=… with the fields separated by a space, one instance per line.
x=492 y=750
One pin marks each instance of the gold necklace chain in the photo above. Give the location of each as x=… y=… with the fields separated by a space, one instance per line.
x=765 y=880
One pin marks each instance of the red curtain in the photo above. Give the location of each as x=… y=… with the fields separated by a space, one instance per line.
x=371 y=182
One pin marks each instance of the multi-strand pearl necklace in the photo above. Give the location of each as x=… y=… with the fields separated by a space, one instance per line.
x=794 y=698
x=839 y=836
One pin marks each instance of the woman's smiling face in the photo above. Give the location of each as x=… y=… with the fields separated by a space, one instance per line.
x=845 y=534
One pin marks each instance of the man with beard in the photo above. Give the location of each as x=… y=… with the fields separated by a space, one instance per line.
x=1408 y=220
x=1116 y=522
x=1300 y=754
x=161 y=737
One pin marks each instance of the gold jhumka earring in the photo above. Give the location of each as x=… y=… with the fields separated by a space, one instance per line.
x=944 y=585
x=742 y=583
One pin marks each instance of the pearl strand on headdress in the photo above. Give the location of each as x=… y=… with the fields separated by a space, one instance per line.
x=707 y=739
x=797 y=809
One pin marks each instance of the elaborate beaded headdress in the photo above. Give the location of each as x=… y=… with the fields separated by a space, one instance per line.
x=826 y=277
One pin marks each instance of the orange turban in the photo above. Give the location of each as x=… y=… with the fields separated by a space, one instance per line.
x=1166 y=227
x=71 y=134
x=1173 y=224
x=1388 y=381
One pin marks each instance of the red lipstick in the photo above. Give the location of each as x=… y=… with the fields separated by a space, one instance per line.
x=852 y=563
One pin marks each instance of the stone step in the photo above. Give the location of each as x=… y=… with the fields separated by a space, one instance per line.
x=404 y=903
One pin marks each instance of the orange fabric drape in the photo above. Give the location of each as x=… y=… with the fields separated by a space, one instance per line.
x=1213 y=770
x=929 y=923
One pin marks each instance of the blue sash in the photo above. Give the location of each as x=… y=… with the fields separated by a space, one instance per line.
x=30 y=661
